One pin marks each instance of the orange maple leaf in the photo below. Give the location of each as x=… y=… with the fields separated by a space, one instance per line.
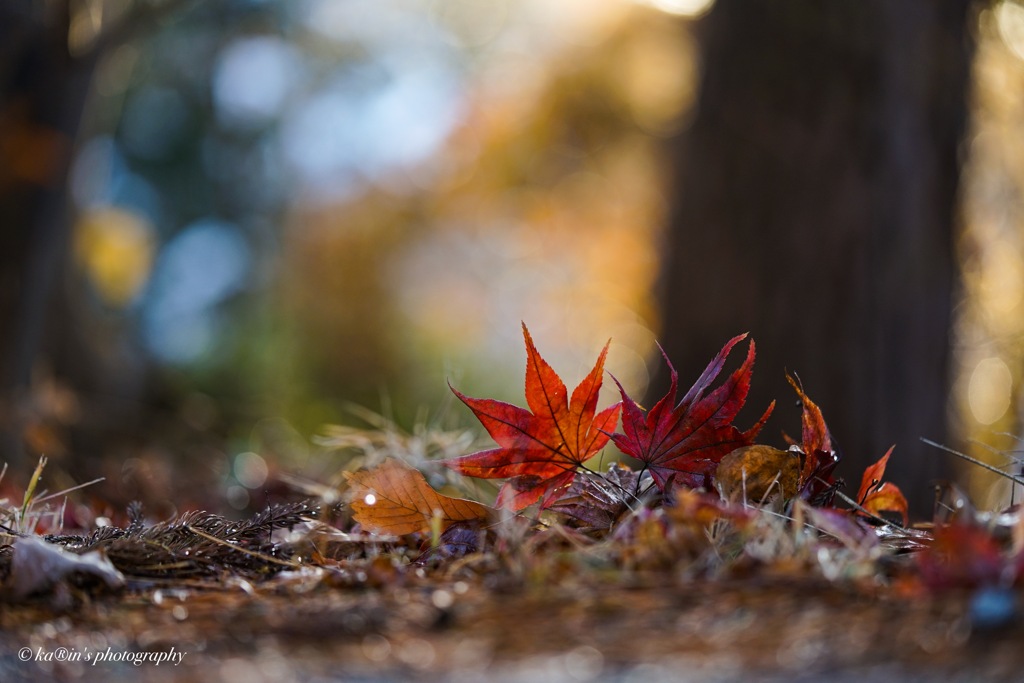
x=539 y=451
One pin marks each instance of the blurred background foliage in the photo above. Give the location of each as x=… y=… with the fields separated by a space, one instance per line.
x=280 y=208
x=301 y=204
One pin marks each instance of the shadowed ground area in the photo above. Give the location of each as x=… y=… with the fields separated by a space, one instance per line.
x=302 y=628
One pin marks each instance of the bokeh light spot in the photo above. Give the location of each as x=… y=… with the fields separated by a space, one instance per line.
x=198 y=269
x=115 y=248
x=253 y=79
x=682 y=8
x=1010 y=20
x=989 y=390
x=251 y=470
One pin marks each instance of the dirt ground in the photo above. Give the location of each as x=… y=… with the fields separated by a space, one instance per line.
x=650 y=631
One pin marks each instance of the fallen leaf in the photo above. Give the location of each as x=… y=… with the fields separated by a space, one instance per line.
x=394 y=498
x=755 y=473
x=458 y=540
x=700 y=508
x=963 y=556
x=539 y=451
x=849 y=531
x=39 y=567
x=817 y=483
x=685 y=443
x=690 y=527
x=595 y=503
x=877 y=496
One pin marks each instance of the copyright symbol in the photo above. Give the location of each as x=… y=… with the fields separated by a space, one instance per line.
x=25 y=654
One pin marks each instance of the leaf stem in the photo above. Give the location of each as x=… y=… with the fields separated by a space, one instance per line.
x=860 y=508
x=639 y=476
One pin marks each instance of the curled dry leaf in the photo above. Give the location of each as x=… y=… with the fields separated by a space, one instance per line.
x=817 y=483
x=848 y=530
x=394 y=498
x=700 y=508
x=691 y=527
x=458 y=540
x=877 y=496
x=39 y=566
x=596 y=503
x=540 y=449
x=758 y=472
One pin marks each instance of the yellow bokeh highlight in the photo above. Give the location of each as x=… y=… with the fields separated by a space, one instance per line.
x=989 y=334
x=988 y=391
x=658 y=79
x=1010 y=20
x=683 y=8
x=115 y=249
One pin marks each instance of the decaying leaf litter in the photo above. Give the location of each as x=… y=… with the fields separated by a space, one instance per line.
x=701 y=548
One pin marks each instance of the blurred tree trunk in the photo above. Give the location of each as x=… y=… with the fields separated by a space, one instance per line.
x=816 y=207
x=42 y=93
x=44 y=86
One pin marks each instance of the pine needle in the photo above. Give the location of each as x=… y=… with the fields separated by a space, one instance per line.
x=250 y=553
x=975 y=461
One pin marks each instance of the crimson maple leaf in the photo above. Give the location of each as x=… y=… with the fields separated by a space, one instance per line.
x=686 y=442
x=539 y=451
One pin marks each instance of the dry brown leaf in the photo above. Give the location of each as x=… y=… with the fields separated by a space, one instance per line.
x=394 y=498
x=759 y=472
x=596 y=503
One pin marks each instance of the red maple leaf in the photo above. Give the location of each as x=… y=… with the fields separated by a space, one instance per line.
x=820 y=456
x=876 y=495
x=539 y=451
x=686 y=442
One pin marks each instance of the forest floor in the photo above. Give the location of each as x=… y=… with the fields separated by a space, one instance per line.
x=300 y=627
x=717 y=559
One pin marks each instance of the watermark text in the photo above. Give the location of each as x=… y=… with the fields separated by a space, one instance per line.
x=173 y=656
